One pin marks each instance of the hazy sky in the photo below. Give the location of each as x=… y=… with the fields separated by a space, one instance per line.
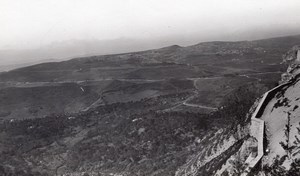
x=33 y=23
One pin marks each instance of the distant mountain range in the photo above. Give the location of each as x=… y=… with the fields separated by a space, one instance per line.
x=59 y=51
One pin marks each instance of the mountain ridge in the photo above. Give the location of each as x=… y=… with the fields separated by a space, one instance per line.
x=9 y=53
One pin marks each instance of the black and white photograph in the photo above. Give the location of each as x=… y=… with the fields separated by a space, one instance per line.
x=149 y=88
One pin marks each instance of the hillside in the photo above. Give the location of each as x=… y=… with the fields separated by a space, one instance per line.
x=181 y=111
x=274 y=129
x=214 y=68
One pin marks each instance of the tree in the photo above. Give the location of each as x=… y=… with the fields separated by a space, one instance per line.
x=286 y=145
x=295 y=168
x=297 y=142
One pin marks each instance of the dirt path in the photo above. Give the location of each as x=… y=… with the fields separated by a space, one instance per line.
x=199 y=106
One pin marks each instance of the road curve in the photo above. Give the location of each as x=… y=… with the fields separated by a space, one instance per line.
x=257 y=127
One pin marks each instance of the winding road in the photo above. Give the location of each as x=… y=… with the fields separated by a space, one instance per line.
x=257 y=127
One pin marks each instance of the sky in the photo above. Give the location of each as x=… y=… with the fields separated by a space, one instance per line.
x=27 y=24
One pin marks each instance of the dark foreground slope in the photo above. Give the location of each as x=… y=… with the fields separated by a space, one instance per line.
x=133 y=138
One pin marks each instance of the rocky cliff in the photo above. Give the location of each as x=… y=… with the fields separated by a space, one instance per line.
x=269 y=144
x=280 y=113
x=292 y=59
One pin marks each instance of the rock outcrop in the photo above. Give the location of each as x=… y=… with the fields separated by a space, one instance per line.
x=292 y=59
